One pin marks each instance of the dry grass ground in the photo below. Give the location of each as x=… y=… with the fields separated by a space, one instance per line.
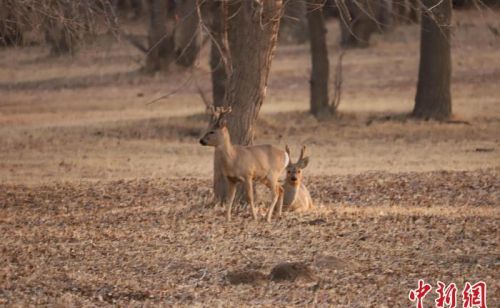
x=103 y=198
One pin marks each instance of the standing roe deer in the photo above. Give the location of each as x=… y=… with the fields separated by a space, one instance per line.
x=295 y=197
x=262 y=163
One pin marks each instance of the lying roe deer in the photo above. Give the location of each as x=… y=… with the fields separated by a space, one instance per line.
x=246 y=164
x=295 y=197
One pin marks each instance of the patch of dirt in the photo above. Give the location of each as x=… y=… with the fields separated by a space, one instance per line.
x=292 y=271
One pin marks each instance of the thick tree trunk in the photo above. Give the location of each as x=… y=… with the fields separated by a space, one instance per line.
x=406 y=11
x=252 y=32
x=367 y=17
x=137 y=7
x=218 y=55
x=161 y=39
x=319 y=103
x=252 y=35
x=11 y=33
x=218 y=44
x=464 y=3
x=330 y=9
x=293 y=26
x=414 y=11
x=132 y=8
x=187 y=33
x=400 y=10
x=433 y=98
x=11 y=36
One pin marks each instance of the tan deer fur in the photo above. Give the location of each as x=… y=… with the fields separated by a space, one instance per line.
x=245 y=164
x=295 y=196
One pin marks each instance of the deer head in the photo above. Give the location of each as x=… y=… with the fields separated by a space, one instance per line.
x=294 y=171
x=217 y=130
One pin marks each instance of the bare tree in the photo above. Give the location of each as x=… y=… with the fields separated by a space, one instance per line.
x=133 y=8
x=252 y=32
x=406 y=11
x=414 y=10
x=187 y=33
x=161 y=35
x=12 y=21
x=293 y=26
x=400 y=10
x=319 y=102
x=365 y=18
x=61 y=39
x=433 y=98
x=65 y=24
x=218 y=50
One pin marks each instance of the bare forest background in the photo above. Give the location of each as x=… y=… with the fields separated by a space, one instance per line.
x=106 y=195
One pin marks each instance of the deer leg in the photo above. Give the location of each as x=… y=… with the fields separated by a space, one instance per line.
x=231 y=193
x=275 y=193
x=249 y=191
x=280 y=200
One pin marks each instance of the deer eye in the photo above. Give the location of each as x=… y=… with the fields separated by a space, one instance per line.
x=211 y=133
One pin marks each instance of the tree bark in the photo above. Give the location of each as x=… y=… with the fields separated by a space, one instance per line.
x=218 y=44
x=187 y=33
x=319 y=102
x=137 y=7
x=400 y=10
x=11 y=33
x=293 y=26
x=252 y=35
x=161 y=39
x=218 y=50
x=433 y=98
x=131 y=7
x=406 y=11
x=367 y=17
x=252 y=32
x=414 y=11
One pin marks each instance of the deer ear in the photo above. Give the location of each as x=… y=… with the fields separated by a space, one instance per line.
x=304 y=162
x=287 y=150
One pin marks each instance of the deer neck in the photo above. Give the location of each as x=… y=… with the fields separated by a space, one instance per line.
x=291 y=192
x=226 y=149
